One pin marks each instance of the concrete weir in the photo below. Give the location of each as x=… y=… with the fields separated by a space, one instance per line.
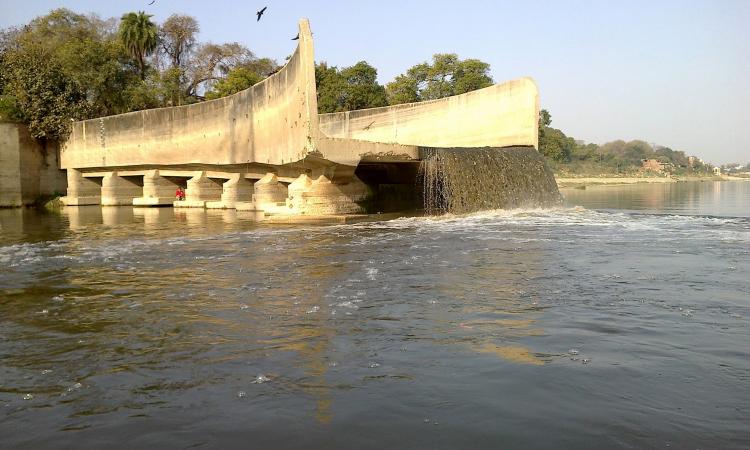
x=267 y=149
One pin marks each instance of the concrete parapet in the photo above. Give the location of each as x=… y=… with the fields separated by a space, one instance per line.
x=81 y=191
x=118 y=191
x=270 y=194
x=157 y=190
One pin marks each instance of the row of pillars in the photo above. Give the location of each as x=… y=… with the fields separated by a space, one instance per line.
x=304 y=195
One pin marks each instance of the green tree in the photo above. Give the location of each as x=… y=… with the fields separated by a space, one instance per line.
x=446 y=76
x=139 y=36
x=348 y=89
x=44 y=96
x=237 y=80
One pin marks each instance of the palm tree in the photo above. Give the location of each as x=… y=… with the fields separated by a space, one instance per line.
x=139 y=36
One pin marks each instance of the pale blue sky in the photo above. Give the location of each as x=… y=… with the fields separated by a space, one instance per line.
x=675 y=73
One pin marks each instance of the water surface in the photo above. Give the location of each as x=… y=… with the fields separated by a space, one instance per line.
x=619 y=320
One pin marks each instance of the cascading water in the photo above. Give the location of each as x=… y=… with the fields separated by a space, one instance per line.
x=464 y=180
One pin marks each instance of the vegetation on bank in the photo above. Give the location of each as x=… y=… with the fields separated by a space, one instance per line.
x=66 y=66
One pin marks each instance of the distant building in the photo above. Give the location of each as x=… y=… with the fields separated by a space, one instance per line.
x=717 y=170
x=653 y=165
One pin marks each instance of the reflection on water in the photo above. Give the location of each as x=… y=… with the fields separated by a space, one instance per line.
x=622 y=323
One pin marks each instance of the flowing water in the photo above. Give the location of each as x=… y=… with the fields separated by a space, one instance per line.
x=467 y=180
x=619 y=320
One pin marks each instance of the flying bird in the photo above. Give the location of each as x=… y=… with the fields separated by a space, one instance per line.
x=259 y=13
x=296 y=38
x=368 y=126
x=152 y=2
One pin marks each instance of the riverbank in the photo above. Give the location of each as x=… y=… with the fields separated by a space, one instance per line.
x=564 y=182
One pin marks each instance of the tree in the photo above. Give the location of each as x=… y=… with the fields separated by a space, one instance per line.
x=237 y=80
x=139 y=36
x=348 y=89
x=45 y=98
x=211 y=63
x=178 y=38
x=446 y=76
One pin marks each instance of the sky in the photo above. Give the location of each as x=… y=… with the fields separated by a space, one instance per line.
x=673 y=73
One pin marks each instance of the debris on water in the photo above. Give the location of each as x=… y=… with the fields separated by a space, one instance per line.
x=426 y=420
x=333 y=364
x=241 y=394
x=28 y=396
x=44 y=311
x=314 y=309
x=573 y=351
x=260 y=379
x=433 y=302
x=75 y=387
x=58 y=298
x=243 y=306
x=688 y=313
x=46 y=371
x=586 y=360
x=374 y=365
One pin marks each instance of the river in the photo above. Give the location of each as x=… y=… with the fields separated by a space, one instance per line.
x=619 y=320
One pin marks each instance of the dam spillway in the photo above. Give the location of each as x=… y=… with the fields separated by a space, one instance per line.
x=267 y=148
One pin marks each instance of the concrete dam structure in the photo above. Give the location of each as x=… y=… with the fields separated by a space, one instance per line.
x=267 y=148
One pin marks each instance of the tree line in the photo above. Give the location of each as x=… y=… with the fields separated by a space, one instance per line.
x=567 y=154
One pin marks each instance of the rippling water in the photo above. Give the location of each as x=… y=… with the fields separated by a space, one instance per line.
x=619 y=320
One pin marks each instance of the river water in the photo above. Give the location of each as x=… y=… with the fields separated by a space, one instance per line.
x=619 y=320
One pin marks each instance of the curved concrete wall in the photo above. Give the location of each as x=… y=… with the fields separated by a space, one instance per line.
x=273 y=122
x=502 y=115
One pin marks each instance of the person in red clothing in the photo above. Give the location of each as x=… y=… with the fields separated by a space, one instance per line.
x=179 y=193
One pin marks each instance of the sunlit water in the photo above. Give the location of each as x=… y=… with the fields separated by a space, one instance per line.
x=619 y=320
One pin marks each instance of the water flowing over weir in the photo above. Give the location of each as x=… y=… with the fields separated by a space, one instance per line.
x=464 y=180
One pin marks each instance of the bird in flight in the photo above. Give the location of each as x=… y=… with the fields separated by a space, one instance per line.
x=368 y=126
x=259 y=13
x=296 y=38
x=152 y=2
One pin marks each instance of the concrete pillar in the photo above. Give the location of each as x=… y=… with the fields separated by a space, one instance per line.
x=157 y=190
x=81 y=191
x=270 y=194
x=299 y=186
x=235 y=190
x=323 y=197
x=118 y=191
x=200 y=189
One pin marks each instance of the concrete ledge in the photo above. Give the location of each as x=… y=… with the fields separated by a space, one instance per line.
x=245 y=206
x=218 y=205
x=81 y=201
x=153 y=201
x=190 y=204
x=105 y=201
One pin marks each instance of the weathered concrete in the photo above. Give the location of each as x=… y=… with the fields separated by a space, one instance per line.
x=270 y=194
x=235 y=190
x=119 y=191
x=28 y=169
x=502 y=115
x=200 y=190
x=81 y=191
x=157 y=190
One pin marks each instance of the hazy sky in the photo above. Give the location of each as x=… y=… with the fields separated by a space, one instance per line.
x=676 y=73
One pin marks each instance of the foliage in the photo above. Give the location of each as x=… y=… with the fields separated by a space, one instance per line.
x=43 y=96
x=236 y=80
x=446 y=76
x=348 y=89
x=139 y=36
